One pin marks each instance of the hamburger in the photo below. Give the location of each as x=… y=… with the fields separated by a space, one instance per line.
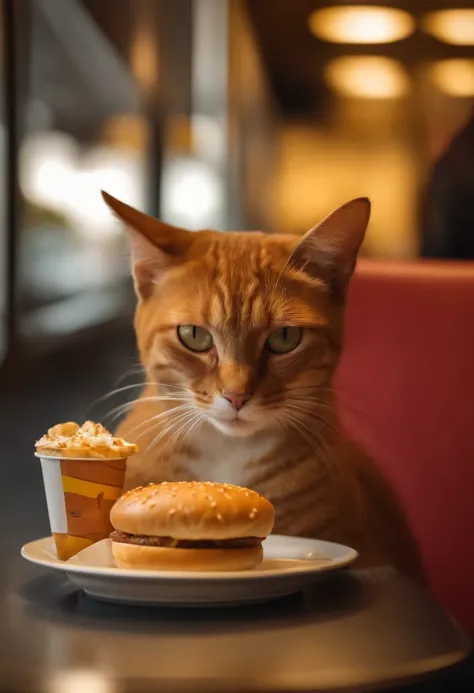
x=196 y=526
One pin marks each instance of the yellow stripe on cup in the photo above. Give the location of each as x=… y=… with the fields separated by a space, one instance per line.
x=90 y=489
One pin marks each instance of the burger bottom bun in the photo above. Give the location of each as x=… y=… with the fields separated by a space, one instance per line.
x=160 y=558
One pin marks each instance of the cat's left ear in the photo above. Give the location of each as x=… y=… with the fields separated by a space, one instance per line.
x=329 y=250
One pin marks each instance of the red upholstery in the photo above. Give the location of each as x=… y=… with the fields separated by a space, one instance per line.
x=407 y=392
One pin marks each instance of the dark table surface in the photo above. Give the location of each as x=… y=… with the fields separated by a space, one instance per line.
x=352 y=631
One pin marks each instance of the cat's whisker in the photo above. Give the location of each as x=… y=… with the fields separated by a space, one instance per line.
x=309 y=434
x=188 y=425
x=179 y=424
x=310 y=415
x=178 y=418
x=162 y=432
x=350 y=401
x=157 y=417
x=310 y=403
x=110 y=394
x=188 y=422
x=163 y=427
x=199 y=421
x=131 y=371
x=180 y=388
x=310 y=412
x=114 y=392
x=310 y=391
x=144 y=383
x=305 y=432
x=121 y=408
x=313 y=386
x=322 y=388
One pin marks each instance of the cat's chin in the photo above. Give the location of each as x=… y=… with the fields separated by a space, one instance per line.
x=235 y=428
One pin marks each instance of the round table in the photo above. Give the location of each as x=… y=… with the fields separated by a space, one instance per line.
x=352 y=631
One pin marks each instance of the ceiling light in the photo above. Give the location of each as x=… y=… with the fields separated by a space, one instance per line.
x=361 y=24
x=454 y=77
x=451 y=26
x=367 y=77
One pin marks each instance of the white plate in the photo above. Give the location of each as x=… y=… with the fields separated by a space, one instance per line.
x=289 y=564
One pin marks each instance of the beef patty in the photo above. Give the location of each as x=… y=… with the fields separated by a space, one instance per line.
x=169 y=542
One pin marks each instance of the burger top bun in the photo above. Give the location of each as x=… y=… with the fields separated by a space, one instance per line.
x=193 y=510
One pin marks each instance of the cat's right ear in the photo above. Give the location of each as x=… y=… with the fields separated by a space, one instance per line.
x=155 y=246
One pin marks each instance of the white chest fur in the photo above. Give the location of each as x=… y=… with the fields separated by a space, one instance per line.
x=226 y=459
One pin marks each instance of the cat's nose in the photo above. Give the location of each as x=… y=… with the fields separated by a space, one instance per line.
x=237 y=399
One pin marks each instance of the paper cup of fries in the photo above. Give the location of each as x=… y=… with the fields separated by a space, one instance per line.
x=83 y=473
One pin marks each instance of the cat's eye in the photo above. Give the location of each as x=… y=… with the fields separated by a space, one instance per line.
x=284 y=339
x=195 y=338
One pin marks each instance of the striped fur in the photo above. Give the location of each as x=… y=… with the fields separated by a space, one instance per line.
x=288 y=443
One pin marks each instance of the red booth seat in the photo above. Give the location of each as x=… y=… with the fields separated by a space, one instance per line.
x=406 y=391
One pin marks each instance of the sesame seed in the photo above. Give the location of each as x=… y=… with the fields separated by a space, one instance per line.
x=252 y=515
x=171 y=512
x=219 y=517
x=226 y=495
x=247 y=494
x=213 y=504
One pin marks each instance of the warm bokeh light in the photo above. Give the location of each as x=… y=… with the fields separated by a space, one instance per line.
x=320 y=168
x=367 y=77
x=454 y=77
x=191 y=193
x=361 y=24
x=127 y=131
x=451 y=26
x=47 y=162
x=80 y=681
x=57 y=175
x=144 y=58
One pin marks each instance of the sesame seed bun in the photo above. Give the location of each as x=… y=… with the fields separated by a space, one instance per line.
x=190 y=512
x=193 y=510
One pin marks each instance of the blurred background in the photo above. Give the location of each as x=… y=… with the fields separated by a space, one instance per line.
x=211 y=113
x=221 y=113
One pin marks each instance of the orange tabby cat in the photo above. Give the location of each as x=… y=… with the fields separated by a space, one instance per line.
x=239 y=335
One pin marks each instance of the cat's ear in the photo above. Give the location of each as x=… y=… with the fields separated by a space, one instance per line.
x=329 y=250
x=155 y=246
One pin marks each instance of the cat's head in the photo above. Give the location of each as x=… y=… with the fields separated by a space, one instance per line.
x=246 y=328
